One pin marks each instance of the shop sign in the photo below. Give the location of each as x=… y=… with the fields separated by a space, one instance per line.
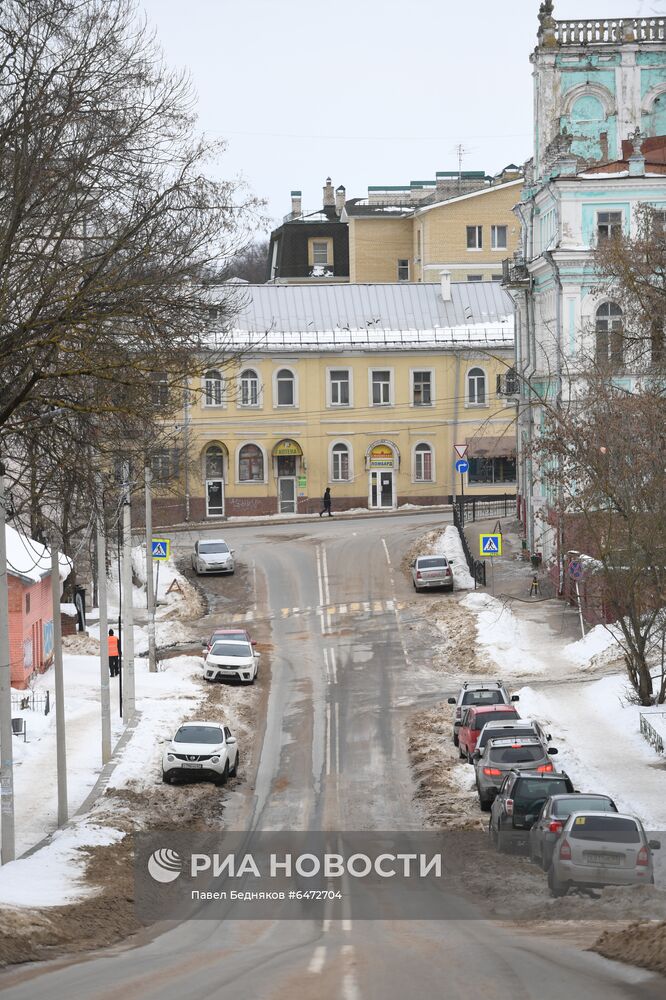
x=286 y=447
x=381 y=457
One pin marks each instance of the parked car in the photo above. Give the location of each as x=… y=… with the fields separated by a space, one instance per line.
x=212 y=555
x=601 y=848
x=231 y=659
x=502 y=755
x=520 y=729
x=550 y=822
x=203 y=750
x=473 y=721
x=519 y=801
x=432 y=571
x=478 y=693
x=233 y=634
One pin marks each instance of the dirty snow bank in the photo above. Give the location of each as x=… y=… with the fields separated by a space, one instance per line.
x=599 y=645
x=506 y=640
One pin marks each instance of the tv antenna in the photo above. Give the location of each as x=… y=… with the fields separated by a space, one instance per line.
x=461 y=152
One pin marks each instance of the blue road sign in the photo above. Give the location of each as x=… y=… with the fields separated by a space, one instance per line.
x=576 y=569
x=462 y=466
x=490 y=545
x=160 y=548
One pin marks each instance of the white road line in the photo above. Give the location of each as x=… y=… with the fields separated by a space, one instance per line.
x=249 y=616
x=342 y=609
x=328 y=738
x=334 y=666
x=324 y=563
x=326 y=666
x=326 y=925
x=388 y=558
x=318 y=959
x=320 y=585
x=350 y=990
x=337 y=738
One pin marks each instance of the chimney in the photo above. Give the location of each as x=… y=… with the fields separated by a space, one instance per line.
x=445 y=285
x=340 y=196
x=329 y=193
x=295 y=204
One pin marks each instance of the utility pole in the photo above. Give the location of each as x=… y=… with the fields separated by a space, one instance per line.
x=105 y=695
x=150 y=590
x=128 y=609
x=61 y=747
x=7 y=845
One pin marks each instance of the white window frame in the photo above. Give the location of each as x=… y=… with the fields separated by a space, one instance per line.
x=468 y=401
x=249 y=406
x=206 y=380
x=433 y=471
x=225 y=462
x=494 y=245
x=285 y=406
x=610 y=225
x=402 y=261
x=391 y=384
x=315 y=243
x=350 y=455
x=478 y=239
x=250 y=482
x=412 y=373
x=329 y=387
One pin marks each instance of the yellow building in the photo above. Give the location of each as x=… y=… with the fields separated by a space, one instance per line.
x=361 y=388
x=468 y=235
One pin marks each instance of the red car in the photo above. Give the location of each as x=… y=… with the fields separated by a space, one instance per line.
x=474 y=719
x=236 y=634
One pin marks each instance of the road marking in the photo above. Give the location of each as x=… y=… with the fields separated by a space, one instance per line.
x=318 y=959
x=377 y=605
x=328 y=738
x=334 y=666
x=342 y=609
x=337 y=738
x=284 y=612
x=324 y=563
x=323 y=610
x=249 y=616
x=350 y=990
x=388 y=558
x=366 y=605
x=326 y=665
x=355 y=606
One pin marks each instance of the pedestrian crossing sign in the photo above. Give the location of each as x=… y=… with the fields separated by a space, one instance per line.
x=490 y=545
x=161 y=549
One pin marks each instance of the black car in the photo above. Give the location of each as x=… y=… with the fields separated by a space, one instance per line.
x=556 y=810
x=519 y=801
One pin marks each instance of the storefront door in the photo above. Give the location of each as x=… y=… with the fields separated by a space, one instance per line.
x=214 y=498
x=381 y=488
x=287 y=494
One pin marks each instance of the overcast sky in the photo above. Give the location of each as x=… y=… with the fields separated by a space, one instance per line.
x=366 y=91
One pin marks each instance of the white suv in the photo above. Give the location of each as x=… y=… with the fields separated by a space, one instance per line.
x=203 y=750
x=478 y=693
x=227 y=660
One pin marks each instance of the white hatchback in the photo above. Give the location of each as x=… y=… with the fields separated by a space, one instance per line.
x=212 y=555
x=228 y=659
x=201 y=750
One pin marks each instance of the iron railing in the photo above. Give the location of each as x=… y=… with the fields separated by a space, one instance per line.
x=514 y=271
x=29 y=700
x=653 y=737
x=478 y=509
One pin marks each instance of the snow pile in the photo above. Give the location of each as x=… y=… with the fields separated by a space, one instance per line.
x=30 y=559
x=448 y=544
x=506 y=639
x=53 y=876
x=600 y=644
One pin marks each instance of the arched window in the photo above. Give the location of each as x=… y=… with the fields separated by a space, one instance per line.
x=249 y=388
x=423 y=463
x=609 y=337
x=251 y=464
x=285 y=387
x=340 y=463
x=214 y=462
x=213 y=388
x=476 y=386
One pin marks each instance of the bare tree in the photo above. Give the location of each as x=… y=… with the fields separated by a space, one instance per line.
x=250 y=264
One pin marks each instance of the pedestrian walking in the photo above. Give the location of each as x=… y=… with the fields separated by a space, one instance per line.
x=326 y=509
x=114 y=654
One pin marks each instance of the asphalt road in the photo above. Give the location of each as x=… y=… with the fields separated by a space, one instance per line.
x=345 y=676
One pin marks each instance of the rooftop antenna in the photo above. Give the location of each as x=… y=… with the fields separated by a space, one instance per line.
x=460 y=151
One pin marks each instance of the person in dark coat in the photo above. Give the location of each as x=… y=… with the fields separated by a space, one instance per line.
x=326 y=509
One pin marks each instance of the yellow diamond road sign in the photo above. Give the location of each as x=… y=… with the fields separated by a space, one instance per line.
x=490 y=545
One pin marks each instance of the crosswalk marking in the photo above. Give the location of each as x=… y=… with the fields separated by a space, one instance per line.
x=353 y=607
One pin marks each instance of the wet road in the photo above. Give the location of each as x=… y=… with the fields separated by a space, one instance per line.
x=345 y=674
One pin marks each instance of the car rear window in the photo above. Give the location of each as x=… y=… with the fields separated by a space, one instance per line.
x=199 y=734
x=231 y=649
x=492 y=697
x=495 y=734
x=529 y=789
x=228 y=636
x=432 y=563
x=612 y=829
x=212 y=547
x=481 y=719
x=515 y=755
x=564 y=807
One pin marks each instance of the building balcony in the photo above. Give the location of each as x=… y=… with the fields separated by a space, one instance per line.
x=514 y=272
x=605 y=31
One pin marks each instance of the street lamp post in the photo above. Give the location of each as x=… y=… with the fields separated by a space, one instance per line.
x=7 y=842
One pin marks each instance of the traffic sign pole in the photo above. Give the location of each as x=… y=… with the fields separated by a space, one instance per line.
x=150 y=594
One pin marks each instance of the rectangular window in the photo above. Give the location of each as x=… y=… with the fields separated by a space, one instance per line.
x=475 y=277
x=319 y=252
x=422 y=389
x=609 y=225
x=492 y=470
x=27 y=604
x=498 y=237
x=339 y=381
x=475 y=237
x=403 y=270
x=341 y=465
x=160 y=389
x=423 y=466
x=165 y=464
x=381 y=388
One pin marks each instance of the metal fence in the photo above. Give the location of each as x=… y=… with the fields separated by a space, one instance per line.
x=653 y=737
x=477 y=567
x=478 y=509
x=29 y=700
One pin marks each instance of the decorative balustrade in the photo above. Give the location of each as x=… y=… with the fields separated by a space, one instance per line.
x=610 y=30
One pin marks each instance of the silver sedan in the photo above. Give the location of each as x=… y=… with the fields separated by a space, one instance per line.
x=429 y=572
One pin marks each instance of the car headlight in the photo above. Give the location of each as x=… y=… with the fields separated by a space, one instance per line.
x=170 y=757
x=215 y=760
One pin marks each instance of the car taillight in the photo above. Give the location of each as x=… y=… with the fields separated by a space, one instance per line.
x=458 y=713
x=565 y=851
x=509 y=807
x=642 y=858
x=448 y=571
x=545 y=767
x=555 y=827
x=492 y=772
x=418 y=574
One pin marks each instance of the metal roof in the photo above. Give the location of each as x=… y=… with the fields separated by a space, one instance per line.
x=371 y=315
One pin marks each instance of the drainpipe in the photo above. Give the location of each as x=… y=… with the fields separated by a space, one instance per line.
x=186 y=447
x=456 y=403
x=558 y=405
x=526 y=371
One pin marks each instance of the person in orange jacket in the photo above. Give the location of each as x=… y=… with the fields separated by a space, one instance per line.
x=114 y=654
